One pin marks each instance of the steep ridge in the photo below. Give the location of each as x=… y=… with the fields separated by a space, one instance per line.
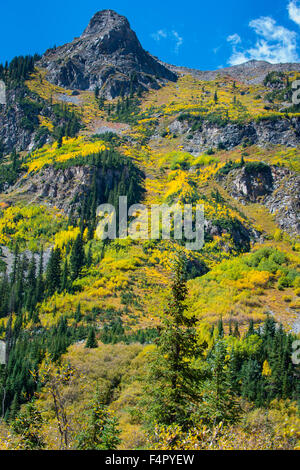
x=251 y=72
x=107 y=55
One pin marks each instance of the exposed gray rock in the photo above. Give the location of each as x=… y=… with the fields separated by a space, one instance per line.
x=55 y=187
x=62 y=188
x=251 y=72
x=105 y=129
x=275 y=187
x=250 y=185
x=109 y=55
x=8 y=257
x=284 y=201
x=281 y=131
x=13 y=132
x=240 y=234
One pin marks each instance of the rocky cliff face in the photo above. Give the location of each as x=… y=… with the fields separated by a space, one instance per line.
x=277 y=188
x=284 y=200
x=251 y=185
x=15 y=131
x=278 y=132
x=107 y=55
x=64 y=189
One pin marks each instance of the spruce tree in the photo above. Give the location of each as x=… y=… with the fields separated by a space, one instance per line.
x=89 y=256
x=101 y=430
x=14 y=408
x=65 y=277
x=220 y=403
x=251 y=330
x=77 y=257
x=91 y=342
x=172 y=376
x=78 y=313
x=28 y=428
x=220 y=328
x=236 y=332
x=53 y=274
x=40 y=285
x=15 y=264
x=31 y=286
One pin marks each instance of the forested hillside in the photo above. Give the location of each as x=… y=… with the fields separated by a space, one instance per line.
x=144 y=344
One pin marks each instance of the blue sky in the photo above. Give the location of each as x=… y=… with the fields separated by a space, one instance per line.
x=194 y=33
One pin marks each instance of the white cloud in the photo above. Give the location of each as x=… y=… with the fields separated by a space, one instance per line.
x=178 y=40
x=274 y=44
x=160 y=34
x=216 y=49
x=238 y=58
x=172 y=35
x=294 y=11
x=234 y=39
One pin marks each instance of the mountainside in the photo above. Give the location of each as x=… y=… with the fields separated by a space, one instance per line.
x=251 y=72
x=161 y=346
x=107 y=55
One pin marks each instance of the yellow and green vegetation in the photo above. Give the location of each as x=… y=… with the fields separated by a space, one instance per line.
x=161 y=347
x=70 y=149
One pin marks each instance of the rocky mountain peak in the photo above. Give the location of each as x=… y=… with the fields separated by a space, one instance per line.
x=108 y=55
x=105 y=21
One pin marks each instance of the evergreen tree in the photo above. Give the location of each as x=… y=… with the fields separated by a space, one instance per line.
x=77 y=258
x=65 y=277
x=220 y=401
x=251 y=330
x=15 y=264
x=102 y=431
x=78 y=313
x=230 y=327
x=31 y=286
x=53 y=274
x=220 y=328
x=89 y=257
x=91 y=342
x=15 y=407
x=172 y=376
x=28 y=427
x=251 y=375
x=236 y=332
x=40 y=285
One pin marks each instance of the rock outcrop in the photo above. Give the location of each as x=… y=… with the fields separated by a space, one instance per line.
x=15 y=131
x=108 y=55
x=62 y=188
x=251 y=183
x=284 y=201
x=252 y=72
x=282 y=131
x=275 y=187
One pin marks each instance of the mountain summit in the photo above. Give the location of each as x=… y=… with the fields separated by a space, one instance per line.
x=105 y=21
x=108 y=55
